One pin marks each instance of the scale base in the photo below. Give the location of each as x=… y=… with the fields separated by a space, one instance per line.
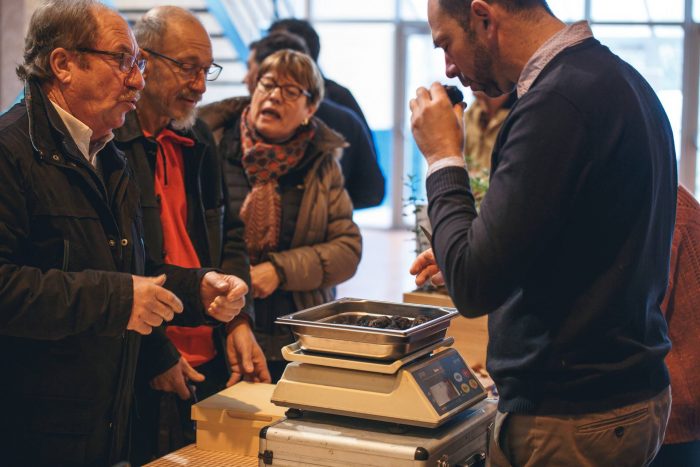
x=425 y=393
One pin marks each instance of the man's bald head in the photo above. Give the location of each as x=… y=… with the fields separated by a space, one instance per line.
x=151 y=29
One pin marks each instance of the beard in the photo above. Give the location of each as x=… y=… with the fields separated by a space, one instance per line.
x=484 y=74
x=186 y=121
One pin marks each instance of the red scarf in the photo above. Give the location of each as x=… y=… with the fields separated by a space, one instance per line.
x=264 y=163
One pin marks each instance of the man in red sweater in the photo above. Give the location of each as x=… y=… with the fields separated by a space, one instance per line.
x=178 y=170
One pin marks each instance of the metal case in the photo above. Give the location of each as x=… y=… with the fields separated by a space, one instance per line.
x=333 y=441
x=315 y=331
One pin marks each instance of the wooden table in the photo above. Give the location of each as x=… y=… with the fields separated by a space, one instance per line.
x=190 y=455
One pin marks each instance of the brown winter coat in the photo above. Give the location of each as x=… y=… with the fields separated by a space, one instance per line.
x=326 y=246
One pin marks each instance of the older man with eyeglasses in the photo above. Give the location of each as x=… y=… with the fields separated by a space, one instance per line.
x=73 y=296
x=185 y=223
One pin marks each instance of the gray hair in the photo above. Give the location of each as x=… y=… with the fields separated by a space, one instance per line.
x=70 y=24
x=297 y=66
x=150 y=29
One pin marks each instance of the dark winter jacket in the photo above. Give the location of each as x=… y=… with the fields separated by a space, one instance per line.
x=69 y=241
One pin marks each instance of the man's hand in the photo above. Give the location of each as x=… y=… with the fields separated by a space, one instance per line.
x=175 y=379
x=425 y=269
x=223 y=295
x=436 y=124
x=245 y=355
x=152 y=304
x=264 y=279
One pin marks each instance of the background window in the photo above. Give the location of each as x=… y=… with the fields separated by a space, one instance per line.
x=414 y=10
x=638 y=10
x=355 y=9
x=360 y=56
x=568 y=10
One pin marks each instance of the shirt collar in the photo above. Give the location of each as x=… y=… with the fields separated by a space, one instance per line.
x=81 y=134
x=567 y=37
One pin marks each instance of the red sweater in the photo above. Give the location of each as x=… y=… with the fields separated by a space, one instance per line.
x=681 y=307
x=195 y=344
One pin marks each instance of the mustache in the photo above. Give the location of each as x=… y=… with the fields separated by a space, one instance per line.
x=131 y=96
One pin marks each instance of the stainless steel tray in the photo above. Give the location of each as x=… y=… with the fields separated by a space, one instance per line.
x=316 y=332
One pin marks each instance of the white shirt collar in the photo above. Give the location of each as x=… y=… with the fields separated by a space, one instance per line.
x=81 y=134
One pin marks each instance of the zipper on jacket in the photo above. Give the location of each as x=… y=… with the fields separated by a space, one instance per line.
x=66 y=254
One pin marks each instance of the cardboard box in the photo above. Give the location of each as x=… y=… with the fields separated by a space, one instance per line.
x=232 y=419
x=471 y=334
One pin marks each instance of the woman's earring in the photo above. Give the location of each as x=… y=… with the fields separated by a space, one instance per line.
x=305 y=122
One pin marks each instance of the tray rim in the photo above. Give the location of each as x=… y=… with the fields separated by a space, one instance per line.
x=290 y=320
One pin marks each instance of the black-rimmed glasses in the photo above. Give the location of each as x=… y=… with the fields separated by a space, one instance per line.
x=190 y=70
x=290 y=92
x=127 y=62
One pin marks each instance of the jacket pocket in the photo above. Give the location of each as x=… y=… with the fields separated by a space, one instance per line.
x=65 y=239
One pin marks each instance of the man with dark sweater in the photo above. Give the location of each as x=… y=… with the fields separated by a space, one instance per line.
x=569 y=254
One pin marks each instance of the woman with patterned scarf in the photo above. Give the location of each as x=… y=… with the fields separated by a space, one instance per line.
x=299 y=230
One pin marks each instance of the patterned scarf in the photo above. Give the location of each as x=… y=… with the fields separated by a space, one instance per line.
x=264 y=163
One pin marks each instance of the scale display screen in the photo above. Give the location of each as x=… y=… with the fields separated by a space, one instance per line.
x=443 y=392
x=447 y=382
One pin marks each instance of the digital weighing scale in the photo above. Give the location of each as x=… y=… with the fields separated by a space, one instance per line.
x=376 y=397
x=425 y=388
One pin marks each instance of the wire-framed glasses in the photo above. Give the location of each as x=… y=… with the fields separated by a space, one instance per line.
x=127 y=62
x=290 y=92
x=191 y=70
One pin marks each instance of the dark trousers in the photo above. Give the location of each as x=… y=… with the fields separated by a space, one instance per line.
x=162 y=421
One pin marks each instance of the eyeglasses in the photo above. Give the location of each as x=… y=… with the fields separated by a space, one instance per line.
x=190 y=70
x=290 y=92
x=127 y=62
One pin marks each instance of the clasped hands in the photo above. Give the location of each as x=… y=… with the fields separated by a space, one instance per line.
x=222 y=295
